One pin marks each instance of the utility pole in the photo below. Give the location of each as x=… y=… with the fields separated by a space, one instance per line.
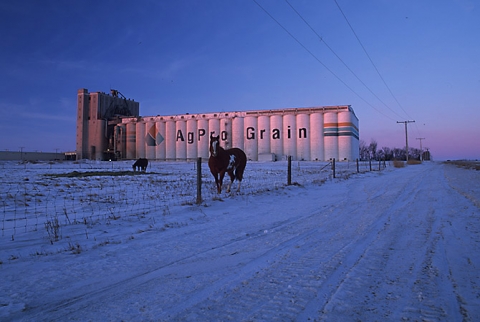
x=406 y=135
x=421 y=150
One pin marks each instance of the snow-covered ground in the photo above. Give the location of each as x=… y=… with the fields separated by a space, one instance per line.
x=397 y=244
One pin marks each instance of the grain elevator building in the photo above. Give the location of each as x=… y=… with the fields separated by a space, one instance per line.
x=313 y=133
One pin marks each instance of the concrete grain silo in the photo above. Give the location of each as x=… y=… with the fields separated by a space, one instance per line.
x=276 y=138
x=170 y=135
x=150 y=142
x=97 y=129
x=289 y=136
x=238 y=140
x=180 y=143
x=160 y=152
x=192 y=146
x=203 y=137
x=251 y=137
x=264 y=134
x=120 y=139
x=131 y=137
x=140 y=140
x=213 y=126
x=355 y=138
x=226 y=132
x=330 y=130
x=345 y=127
x=316 y=137
x=303 y=136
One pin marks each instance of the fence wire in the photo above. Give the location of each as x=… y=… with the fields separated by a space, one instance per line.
x=56 y=201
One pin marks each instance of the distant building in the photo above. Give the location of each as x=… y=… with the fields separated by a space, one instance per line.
x=36 y=156
x=426 y=156
x=97 y=115
x=315 y=133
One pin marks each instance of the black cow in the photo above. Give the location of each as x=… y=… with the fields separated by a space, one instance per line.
x=140 y=164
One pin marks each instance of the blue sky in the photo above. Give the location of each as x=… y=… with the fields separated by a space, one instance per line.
x=188 y=56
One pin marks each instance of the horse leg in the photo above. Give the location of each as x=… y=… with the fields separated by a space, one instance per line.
x=217 y=182
x=232 y=178
x=220 y=182
x=239 y=176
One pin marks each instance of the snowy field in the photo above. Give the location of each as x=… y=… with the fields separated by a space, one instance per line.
x=68 y=205
x=398 y=244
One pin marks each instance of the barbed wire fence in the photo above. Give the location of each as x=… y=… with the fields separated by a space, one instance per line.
x=56 y=202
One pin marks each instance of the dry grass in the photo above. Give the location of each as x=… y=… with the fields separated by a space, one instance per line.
x=466 y=164
x=413 y=161
x=398 y=164
x=76 y=174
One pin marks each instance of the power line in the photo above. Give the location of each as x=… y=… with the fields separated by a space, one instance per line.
x=369 y=58
x=373 y=64
x=319 y=61
x=340 y=59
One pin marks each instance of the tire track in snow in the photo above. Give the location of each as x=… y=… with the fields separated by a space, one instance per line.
x=457 y=230
x=438 y=292
x=365 y=258
x=281 y=248
x=417 y=286
x=88 y=298
x=432 y=285
x=315 y=281
x=302 y=281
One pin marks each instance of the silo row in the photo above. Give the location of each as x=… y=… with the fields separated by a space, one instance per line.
x=304 y=136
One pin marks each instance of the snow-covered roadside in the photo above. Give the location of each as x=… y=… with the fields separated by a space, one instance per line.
x=400 y=244
x=46 y=208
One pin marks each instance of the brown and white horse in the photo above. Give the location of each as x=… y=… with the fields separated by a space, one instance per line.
x=232 y=161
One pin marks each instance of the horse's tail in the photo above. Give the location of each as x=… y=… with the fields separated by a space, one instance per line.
x=241 y=166
x=239 y=173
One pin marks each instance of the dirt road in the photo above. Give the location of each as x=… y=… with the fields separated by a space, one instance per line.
x=398 y=245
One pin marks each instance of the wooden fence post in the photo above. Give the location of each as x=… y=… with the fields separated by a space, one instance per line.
x=199 y=181
x=289 y=171
x=333 y=167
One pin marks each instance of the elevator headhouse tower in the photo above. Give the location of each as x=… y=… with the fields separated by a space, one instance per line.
x=97 y=115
